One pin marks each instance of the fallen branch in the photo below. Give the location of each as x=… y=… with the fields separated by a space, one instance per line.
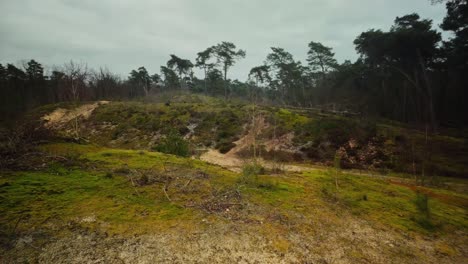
x=56 y=157
x=133 y=184
x=218 y=204
x=165 y=192
x=34 y=247
x=229 y=204
x=188 y=182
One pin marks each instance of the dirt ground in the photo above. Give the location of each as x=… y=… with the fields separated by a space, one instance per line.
x=233 y=162
x=334 y=240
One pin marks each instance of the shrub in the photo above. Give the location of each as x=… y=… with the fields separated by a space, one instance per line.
x=423 y=218
x=174 y=144
x=289 y=120
x=328 y=194
x=122 y=170
x=119 y=130
x=422 y=203
x=268 y=185
x=250 y=172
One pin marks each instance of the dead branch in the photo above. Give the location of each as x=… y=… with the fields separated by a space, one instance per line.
x=185 y=185
x=133 y=184
x=165 y=192
x=56 y=157
x=34 y=247
x=42 y=155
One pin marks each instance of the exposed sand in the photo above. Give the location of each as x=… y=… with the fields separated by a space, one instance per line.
x=62 y=116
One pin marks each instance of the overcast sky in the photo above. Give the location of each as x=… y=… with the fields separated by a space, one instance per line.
x=125 y=34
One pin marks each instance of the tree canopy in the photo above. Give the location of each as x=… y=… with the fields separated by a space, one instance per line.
x=404 y=72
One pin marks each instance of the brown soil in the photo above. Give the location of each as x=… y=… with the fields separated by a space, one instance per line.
x=232 y=160
x=334 y=239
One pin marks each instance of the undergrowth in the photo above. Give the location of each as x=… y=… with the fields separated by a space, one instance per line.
x=134 y=191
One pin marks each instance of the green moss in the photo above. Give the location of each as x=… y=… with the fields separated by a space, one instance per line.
x=437 y=154
x=74 y=192
x=388 y=203
x=39 y=197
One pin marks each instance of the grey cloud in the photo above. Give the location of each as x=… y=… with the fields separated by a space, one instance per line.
x=126 y=34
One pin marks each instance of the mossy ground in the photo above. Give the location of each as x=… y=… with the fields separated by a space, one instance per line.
x=98 y=189
x=128 y=190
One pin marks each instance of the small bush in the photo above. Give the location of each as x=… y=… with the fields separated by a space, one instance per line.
x=425 y=223
x=289 y=120
x=143 y=180
x=250 y=172
x=424 y=216
x=174 y=144
x=122 y=170
x=269 y=185
x=422 y=203
x=254 y=168
x=119 y=130
x=327 y=193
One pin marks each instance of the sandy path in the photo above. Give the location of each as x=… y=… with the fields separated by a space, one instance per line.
x=233 y=163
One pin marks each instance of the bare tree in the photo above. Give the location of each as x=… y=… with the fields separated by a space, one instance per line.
x=103 y=82
x=258 y=75
x=76 y=75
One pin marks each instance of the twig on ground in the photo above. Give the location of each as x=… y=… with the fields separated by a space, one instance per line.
x=188 y=182
x=133 y=183
x=165 y=192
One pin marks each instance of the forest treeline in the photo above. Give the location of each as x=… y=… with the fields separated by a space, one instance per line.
x=406 y=72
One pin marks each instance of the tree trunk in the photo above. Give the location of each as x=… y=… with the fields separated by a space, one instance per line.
x=225 y=83
x=428 y=96
x=206 y=90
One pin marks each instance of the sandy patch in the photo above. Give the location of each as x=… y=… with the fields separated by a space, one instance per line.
x=61 y=116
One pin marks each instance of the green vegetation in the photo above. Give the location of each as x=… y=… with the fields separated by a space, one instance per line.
x=68 y=192
x=206 y=122
x=318 y=161
x=287 y=120
x=34 y=198
x=211 y=123
x=394 y=204
x=108 y=192
x=250 y=173
x=173 y=143
x=131 y=192
x=422 y=204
